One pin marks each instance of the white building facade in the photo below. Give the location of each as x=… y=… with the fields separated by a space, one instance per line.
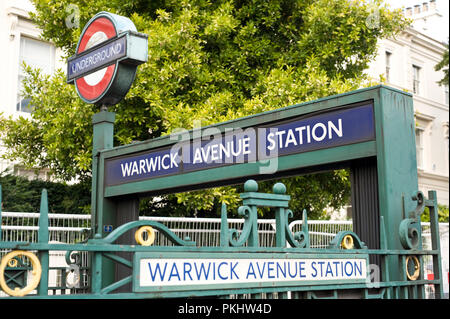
x=407 y=62
x=20 y=42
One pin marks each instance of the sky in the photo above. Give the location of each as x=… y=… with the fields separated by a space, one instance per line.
x=442 y=6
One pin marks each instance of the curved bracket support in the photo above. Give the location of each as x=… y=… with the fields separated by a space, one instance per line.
x=409 y=233
x=299 y=239
x=251 y=200
x=409 y=228
x=119 y=231
x=341 y=237
x=235 y=239
x=73 y=257
x=249 y=233
x=420 y=198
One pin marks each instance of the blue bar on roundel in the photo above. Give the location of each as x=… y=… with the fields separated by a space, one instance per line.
x=98 y=58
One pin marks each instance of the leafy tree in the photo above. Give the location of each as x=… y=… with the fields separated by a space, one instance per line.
x=443 y=65
x=22 y=195
x=442 y=214
x=210 y=61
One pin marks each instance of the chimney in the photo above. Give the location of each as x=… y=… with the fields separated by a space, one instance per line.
x=408 y=11
x=432 y=5
x=417 y=9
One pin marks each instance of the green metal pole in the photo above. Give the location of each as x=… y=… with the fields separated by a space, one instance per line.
x=1 y=204
x=103 y=210
x=224 y=231
x=43 y=239
x=280 y=219
x=96 y=273
x=103 y=138
x=435 y=243
x=396 y=166
x=253 y=240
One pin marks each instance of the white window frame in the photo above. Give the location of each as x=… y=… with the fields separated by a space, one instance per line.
x=21 y=75
x=445 y=127
x=446 y=94
x=420 y=150
x=388 y=58
x=416 y=81
x=424 y=123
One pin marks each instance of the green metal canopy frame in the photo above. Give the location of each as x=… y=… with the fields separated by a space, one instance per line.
x=397 y=208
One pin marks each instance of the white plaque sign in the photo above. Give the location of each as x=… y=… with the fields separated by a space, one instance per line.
x=213 y=271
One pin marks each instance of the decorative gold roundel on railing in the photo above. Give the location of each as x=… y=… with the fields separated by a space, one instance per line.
x=416 y=265
x=11 y=261
x=347 y=242
x=139 y=236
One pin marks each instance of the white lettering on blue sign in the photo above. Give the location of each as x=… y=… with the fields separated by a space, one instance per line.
x=305 y=134
x=99 y=57
x=218 y=151
x=170 y=272
x=332 y=129
x=149 y=164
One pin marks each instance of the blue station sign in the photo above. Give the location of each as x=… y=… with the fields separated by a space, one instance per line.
x=318 y=131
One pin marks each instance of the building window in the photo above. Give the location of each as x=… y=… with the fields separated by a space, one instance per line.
x=419 y=147
x=446 y=138
x=388 y=66
x=38 y=55
x=446 y=93
x=416 y=79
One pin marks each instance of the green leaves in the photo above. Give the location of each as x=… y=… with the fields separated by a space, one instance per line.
x=205 y=200
x=443 y=214
x=443 y=65
x=23 y=195
x=209 y=61
x=222 y=22
x=58 y=135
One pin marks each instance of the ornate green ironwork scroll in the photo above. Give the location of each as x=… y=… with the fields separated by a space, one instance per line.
x=249 y=234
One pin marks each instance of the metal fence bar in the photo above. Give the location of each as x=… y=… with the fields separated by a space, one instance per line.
x=321 y=231
x=69 y=228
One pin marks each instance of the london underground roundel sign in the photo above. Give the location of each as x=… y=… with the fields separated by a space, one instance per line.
x=107 y=55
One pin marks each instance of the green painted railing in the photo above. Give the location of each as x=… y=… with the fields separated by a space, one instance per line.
x=239 y=246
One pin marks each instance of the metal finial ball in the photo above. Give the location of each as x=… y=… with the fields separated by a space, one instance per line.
x=251 y=186
x=279 y=188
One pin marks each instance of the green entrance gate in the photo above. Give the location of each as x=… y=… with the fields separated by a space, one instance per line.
x=370 y=131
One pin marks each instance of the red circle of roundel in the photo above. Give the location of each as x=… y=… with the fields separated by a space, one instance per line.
x=91 y=92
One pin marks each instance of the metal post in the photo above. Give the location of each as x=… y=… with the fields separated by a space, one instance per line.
x=103 y=210
x=280 y=220
x=396 y=166
x=435 y=243
x=103 y=138
x=1 y=204
x=224 y=231
x=253 y=240
x=43 y=239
